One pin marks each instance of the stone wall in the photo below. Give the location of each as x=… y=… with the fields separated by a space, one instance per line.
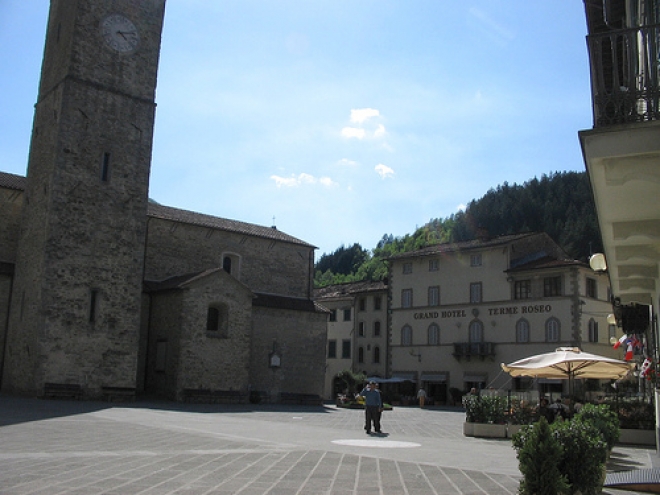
x=299 y=339
x=208 y=359
x=11 y=204
x=265 y=265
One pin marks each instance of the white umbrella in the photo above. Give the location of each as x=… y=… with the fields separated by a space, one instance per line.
x=567 y=363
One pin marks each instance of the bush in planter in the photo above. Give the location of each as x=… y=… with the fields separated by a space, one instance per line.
x=485 y=409
x=584 y=455
x=539 y=455
x=604 y=419
x=522 y=413
x=635 y=414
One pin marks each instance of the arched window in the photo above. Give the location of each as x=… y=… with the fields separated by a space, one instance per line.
x=376 y=354
x=522 y=331
x=217 y=321
x=593 y=330
x=552 y=330
x=406 y=335
x=434 y=334
x=231 y=264
x=376 y=329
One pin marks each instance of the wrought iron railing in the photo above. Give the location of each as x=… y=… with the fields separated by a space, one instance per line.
x=473 y=349
x=624 y=75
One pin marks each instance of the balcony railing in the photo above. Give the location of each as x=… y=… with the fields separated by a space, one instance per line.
x=624 y=75
x=470 y=350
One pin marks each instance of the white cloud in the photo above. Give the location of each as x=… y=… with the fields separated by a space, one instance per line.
x=327 y=181
x=380 y=131
x=353 y=132
x=303 y=178
x=359 y=115
x=345 y=162
x=461 y=207
x=384 y=171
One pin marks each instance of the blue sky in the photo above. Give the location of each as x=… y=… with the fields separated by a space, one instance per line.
x=342 y=120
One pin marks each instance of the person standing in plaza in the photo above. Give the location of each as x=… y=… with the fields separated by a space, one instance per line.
x=373 y=405
x=421 y=397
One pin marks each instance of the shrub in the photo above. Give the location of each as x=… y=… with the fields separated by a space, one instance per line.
x=604 y=419
x=522 y=412
x=485 y=409
x=539 y=455
x=635 y=414
x=584 y=454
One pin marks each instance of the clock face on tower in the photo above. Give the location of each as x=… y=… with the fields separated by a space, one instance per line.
x=119 y=33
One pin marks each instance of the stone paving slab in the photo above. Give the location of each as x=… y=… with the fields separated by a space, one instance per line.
x=149 y=448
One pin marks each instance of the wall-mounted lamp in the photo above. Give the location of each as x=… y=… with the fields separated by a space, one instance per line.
x=597 y=262
x=611 y=319
x=418 y=355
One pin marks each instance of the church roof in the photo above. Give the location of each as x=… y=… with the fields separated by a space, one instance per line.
x=12 y=181
x=18 y=182
x=200 y=219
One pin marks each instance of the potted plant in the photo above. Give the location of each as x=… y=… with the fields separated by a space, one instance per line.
x=584 y=455
x=567 y=457
x=539 y=455
x=486 y=415
x=604 y=419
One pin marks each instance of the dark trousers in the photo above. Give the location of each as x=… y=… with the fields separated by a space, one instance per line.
x=372 y=415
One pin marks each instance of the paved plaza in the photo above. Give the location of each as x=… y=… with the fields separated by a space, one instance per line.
x=160 y=448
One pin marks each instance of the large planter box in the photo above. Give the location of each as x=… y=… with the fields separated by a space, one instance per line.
x=468 y=429
x=637 y=437
x=484 y=430
x=512 y=430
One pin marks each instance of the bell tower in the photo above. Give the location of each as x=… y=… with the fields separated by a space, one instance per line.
x=75 y=310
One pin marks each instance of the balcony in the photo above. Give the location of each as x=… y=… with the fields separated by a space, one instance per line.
x=469 y=350
x=624 y=75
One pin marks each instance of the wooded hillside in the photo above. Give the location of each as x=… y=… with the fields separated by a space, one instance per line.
x=559 y=204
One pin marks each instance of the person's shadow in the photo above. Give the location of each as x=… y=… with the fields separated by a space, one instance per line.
x=381 y=434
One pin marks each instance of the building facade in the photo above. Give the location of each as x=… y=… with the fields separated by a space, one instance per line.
x=457 y=311
x=357 y=331
x=104 y=292
x=460 y=310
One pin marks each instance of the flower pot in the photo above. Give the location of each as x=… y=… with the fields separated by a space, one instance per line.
x=512 y=430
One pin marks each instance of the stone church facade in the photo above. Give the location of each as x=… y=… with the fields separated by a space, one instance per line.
x=103 y=292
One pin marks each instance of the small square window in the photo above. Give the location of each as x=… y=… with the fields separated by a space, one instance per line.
x=362 y=304
x=347 y=314
x=407 y=268
x=475 y=259
x=523 y=289
x=377 y=303
x=433 y=265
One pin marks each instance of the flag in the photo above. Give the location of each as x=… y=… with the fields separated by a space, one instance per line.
x=620 y=341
